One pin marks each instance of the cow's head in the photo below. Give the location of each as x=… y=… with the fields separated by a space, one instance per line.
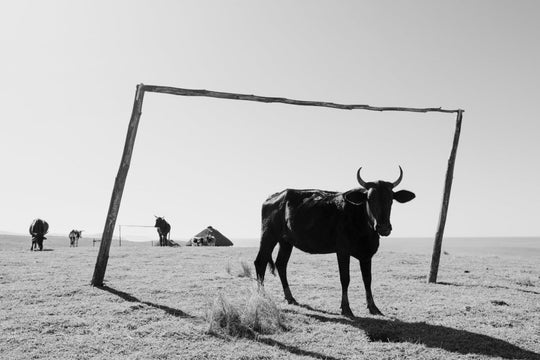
x=160 y=222
x=379 y=196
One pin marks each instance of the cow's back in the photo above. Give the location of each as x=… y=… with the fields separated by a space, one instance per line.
x=39 y=227
x=308 y=219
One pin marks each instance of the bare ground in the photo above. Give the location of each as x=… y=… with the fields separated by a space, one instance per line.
x=155 y=300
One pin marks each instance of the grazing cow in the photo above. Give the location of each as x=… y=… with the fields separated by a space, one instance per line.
x=323 y=222
x=163 y=229
x=74 y=237
x=208 y=240
x=37 y=230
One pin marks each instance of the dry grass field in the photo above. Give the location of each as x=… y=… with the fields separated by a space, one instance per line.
x=156 y=302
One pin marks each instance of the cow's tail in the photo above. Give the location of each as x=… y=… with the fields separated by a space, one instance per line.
x=272 y=266
x=262 y=261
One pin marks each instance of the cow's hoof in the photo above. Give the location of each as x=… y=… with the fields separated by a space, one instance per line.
x=347 y=312
x=373 y=310
x=291 y=301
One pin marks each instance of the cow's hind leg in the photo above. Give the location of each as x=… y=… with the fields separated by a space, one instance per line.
x=344 y=276
x=365 y=267
x=264 y=256
x=282 y=259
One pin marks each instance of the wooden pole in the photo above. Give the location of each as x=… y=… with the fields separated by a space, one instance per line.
x=116 y=198
x=267 y=99
x=436 y=256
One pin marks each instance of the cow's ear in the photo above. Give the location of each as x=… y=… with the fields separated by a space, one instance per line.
x=355 y=197
x=403 y=196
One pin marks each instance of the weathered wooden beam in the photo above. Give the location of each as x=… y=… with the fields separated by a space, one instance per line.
x=116 y=198
x=266 y=99
x=437 y=244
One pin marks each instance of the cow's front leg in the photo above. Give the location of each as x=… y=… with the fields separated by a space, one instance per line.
x=365 y=267
x=344 y=277
x=282 y=259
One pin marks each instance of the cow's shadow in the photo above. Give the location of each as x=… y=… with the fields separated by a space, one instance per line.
x=131 y=298
x=433 y=336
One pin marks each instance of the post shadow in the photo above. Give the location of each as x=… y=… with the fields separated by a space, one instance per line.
x=488 y=286
x=131 y=298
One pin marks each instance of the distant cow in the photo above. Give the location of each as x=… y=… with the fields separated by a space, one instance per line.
x=208 y=240
x=163 y=229
x=37 y=230
x=74 y=236
x=323 y=222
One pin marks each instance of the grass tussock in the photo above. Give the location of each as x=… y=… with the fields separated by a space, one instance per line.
x=246 y=270
x=262 y=314
x=259 y=315
x=228 y=268
x=225 y=316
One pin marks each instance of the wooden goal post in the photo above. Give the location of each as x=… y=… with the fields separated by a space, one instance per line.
x=118 y=189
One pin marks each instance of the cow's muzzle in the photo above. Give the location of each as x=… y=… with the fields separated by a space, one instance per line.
x=383 y=230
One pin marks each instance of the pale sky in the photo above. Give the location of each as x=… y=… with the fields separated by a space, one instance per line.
x=69 y=70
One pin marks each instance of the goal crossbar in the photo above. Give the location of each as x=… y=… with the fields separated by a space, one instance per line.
x=268 y=99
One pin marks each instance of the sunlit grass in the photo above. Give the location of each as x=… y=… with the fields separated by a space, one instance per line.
x=183 y=303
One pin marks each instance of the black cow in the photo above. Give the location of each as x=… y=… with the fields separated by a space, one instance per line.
x=323 y=222
x=163 y=229
x=37 y=230
x=74 y=236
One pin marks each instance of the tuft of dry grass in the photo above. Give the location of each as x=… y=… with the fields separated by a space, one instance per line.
x=228 y=268
x=259 y=315
x=262 y=314
x=245 y=269
x=223 y=315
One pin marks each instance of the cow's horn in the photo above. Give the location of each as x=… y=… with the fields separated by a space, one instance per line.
x=359 y=178
x=396 y=183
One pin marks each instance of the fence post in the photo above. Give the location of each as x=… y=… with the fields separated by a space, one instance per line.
x=120 y=181
x=437 y=245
